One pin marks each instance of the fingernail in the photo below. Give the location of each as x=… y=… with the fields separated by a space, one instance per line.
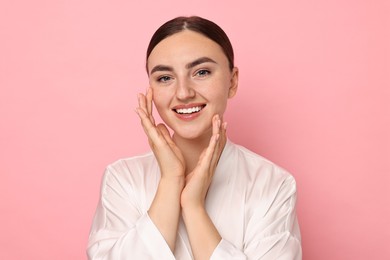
x=217 y=137
x=224 y=125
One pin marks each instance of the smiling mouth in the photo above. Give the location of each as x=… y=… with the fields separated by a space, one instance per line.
x=190 y=110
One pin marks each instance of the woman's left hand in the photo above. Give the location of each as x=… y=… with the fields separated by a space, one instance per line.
x=199 y=180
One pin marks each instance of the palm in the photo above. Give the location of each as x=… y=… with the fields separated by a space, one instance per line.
x=168 y=155
x=199 y=180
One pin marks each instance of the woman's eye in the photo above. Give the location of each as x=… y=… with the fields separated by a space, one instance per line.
x=164 y=79
x=202 y=73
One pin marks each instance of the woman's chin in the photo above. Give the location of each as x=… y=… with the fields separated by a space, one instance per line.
x=188 y=136
x=191 y=134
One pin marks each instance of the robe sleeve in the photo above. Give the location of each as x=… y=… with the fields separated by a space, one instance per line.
x=120 y=231
x=271 y=233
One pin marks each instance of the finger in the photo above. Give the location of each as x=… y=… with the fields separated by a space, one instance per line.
x=149 y=128
x=216 y=124
x=145 y=121
x=142 y=102
x=149 y=103
x=223 y=131
x=220 y=144
x=206 y=158
x=165 y=133
x=168 y=139
x=222 y=139
x=149 y=96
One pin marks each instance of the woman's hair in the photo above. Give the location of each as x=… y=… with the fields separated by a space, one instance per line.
x=197 y=24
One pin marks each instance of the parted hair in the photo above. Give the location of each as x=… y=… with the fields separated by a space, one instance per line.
x=197 y=24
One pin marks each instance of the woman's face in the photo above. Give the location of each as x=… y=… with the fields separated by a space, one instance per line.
x=191 y=82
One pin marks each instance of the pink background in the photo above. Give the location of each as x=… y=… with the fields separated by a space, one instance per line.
x=314 y=97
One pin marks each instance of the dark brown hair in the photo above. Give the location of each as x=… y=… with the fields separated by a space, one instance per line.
x=197 y=24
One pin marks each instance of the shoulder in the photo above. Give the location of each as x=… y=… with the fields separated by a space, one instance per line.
x=258 y=171
x=131 y=163
x=265 y=184
x=132 y=171
x=258 y=162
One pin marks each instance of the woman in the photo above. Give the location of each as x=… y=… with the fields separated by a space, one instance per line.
x=196 y=195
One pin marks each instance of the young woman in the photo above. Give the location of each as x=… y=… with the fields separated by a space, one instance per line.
x=197 y=195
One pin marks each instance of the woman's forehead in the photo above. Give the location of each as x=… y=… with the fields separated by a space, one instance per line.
x=185 y=47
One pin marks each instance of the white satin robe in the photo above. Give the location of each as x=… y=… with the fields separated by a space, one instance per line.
x=251 y=201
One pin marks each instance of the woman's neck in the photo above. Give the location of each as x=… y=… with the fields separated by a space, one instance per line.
x=191 y=149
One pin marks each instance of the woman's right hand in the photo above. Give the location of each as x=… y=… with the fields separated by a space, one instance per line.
x=168 y=155
x=165 y=208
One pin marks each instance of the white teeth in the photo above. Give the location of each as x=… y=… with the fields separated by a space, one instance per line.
x=188 y=110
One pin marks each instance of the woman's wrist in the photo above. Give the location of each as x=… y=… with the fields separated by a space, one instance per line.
x=165 y=208
x=172 y=182
x=203 y=235
x=193 y=209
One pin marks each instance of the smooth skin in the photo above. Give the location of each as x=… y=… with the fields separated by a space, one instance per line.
x=189 y=157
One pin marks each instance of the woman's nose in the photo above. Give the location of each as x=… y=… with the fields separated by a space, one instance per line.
x=184 y=90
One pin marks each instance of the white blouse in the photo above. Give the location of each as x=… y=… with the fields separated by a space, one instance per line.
x=251 y=202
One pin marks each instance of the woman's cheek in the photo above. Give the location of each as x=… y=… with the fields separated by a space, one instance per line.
x=161 y=102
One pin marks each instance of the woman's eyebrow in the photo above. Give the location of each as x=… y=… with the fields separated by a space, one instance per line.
x=199 y=61
x=188 y=65
x=161 y=68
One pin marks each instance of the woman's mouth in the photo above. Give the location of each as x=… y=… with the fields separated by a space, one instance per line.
x=189 y=110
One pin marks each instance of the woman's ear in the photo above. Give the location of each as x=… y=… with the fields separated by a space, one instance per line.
x=233 y=83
